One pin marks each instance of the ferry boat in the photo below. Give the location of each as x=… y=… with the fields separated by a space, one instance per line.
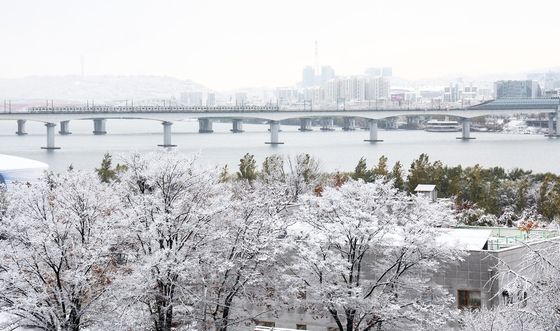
x=442 y=126
x=19 y=169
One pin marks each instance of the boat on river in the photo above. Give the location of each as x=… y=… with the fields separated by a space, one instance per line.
x=442 y=126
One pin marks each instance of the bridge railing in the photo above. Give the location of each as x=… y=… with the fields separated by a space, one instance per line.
x=201 y=109
x=148 y=109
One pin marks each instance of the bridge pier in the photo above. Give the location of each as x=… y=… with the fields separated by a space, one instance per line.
x=466 y=131
x=64 y=128
x=21 y=128
x=349 y=124
x=237 y=126
x=274 y=129
x=99 y=127
x=372 y=125
x=205 y=125
x=558 y=121
x=550 y=132
x=305 y=125
x=327 y=124
x=50 y=137
x=167 y=135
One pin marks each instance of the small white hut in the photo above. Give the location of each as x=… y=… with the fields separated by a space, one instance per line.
x=426 y=190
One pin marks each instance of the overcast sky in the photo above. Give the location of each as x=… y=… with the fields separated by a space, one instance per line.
x=238 y=43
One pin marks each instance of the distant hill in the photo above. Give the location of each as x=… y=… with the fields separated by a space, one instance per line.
x=98 y=88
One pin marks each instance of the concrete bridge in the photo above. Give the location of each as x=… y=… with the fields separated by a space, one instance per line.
x=51 y=116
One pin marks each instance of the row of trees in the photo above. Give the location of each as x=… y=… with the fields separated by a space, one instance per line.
x=159 y=243
x=487 y=196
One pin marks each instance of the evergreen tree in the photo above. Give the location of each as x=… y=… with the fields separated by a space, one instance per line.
x=454 y=184
x=247 y=168
x=521 y=201
x=475 y=186
x=419 y=172
x=361 y=171
x=491 y=202
x=544 y=203
x=397 y=176
x=554 y=200
x=309 y=167
x=224 y=174
x=106 y=173
x=381 y=169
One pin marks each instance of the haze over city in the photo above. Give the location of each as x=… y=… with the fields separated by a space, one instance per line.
x=248 y=43
x=267 y=165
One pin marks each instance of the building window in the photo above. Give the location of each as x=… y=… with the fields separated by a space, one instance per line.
x=468 y=299
x=301 y=326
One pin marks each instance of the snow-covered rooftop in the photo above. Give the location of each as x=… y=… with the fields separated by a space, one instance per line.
x=424 y=188
x=18 y=169
x=491 y=238
x=467 y=239
x=8 y=162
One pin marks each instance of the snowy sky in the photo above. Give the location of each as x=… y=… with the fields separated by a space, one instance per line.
x=239 y=43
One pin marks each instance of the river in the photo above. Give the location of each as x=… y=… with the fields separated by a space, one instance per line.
x=336 y=150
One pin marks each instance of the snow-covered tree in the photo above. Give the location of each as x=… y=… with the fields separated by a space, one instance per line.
x=365 y=253
x=303 y=174
x=57 y=256
x=170 y=206
x=529 y=294
x=243 y=273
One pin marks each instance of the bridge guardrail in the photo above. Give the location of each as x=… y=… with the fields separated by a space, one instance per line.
x=217 y=109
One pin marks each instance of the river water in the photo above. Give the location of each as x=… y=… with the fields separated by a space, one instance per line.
x=336 y=150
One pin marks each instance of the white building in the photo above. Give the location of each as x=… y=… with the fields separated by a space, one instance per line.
x=210 y=99
x=18 y=169
x=471 y=282
x=241 y=98
x=191 y=98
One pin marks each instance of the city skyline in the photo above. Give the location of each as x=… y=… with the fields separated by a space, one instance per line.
x=226 y=45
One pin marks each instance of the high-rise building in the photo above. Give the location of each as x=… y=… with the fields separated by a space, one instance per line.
x=314 y=94
x=547 y=80
x=287 y=95
x=357 y=88
x=504 y=89
x=191 y=98
x=378 y=88
x=386 y=72
x=308 y=77
x=469 y=92
x=380 y=72
x=211 y=99
x=241 y=98
x=327 y=73
x=451 y=93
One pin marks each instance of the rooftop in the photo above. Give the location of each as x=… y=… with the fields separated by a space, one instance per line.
x=516 y=103
x=493 y=238
x=424 y=188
